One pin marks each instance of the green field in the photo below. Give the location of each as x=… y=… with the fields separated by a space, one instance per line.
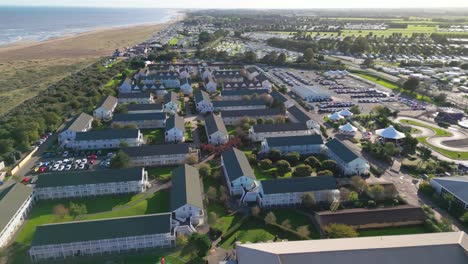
x=438 y=131
x=161 y=173
x=174 y=41
x=225 y=220
x=447 y=153
x=155 y=136
x=393 y=231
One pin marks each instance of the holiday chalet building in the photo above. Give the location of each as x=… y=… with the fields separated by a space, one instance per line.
x=159 y=155
x=102 y=237
x=216 y=131
x=260 y=132
x=186 y=195
x=312 y=144
x=106 y=108
x=106 y=139
x=238 y=173
x=141 y=121
x=81 y=123
x=90 y=183
x=349 y=162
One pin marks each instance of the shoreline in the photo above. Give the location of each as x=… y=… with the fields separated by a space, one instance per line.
x=175 y=17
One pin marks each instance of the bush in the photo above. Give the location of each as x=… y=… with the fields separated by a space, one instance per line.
x=201 y=243
x=283 y=166
x=265 y=164
x=371 y=203
x=302 y=171
x=340 y=231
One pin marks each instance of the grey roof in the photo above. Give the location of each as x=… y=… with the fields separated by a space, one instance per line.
x=341 y=150
x=458 y=186
x=251 y=112
x=156 y=150
x=170 y=97
x=102 y=229
x=79 y=123
x=217 y=104
x=214 y=123
x=304 y=184
x=139 y=117
x=279 y=96
x=186 y=188
x=294 y=141
x=71 y=178
x=12 y=196
x=135 y=95
x=107 y=134
x=175 y=121
x=236 y=164
x=280 y=127
x=143 y=107
x=108 y=103
x=242 y=92
x=434 y=248
x=298 y=113
x=200 y=95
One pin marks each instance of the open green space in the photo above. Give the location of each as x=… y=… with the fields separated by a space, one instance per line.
x=439 y=132
x=154 y=136
x=261 y=174
x=225 y=220
x=174 y=41
x=161 y=173
x=448 y=153
x=296 y=220
x=393 y=231
x=231 y=130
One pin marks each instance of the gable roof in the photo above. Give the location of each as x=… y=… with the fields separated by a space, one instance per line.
x=175 y=121
x=294 y=141
x=170 y=97
x=238 y=103
x=139 y=117
x=107 y=134
x=156 y=150
x=363 y=216
x=236 y=164
x=299 y=114
x=135 y=95
x=12 y=196
x=341 y=150
x=243 y=92
x=251 y=112
x=143 y=107
x=458 y=186
x=200 y=95
x=102 y=229
x=79 y=123
x=186 y=188
x=71 y=178
x=279 y=96
x=108 y=103
x=214 y=123
x=304 y=184
x=280 y=127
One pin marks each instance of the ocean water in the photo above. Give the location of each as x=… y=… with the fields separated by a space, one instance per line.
x=43 y=23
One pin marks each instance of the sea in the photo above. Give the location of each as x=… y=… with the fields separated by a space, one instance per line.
x=18 y=24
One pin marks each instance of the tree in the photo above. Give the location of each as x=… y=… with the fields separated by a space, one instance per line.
x=283 y=166
x=302 y=171
x=293 y=157
x=411 y=84
x=313 y=162
x=308 y=55
x=425 y=154
x=212 y=218
x=440 y=98
x=204 y=37
x=286 y=224
x=265 y=164
x=390 y=149
x=325 y=173
x=355 y=109
x=368 y=63
x=340 y=231
x=464 y=218
x=308 y=199
x=212 y=193
x=376 y=192
x=330 y=165
x=303 y=231
x=204 y=169
x=223 y=194
x=201 y=242
x=120 y=160
x=60 y=210
x=250 y=57
x=274 y=155
x=251 y=158
x=192 y=159
x=281 y=59
x=181 y=240
x=359 y=184
x=255 y=211
x=353 y=196
x=270 y=218
x=77 y=209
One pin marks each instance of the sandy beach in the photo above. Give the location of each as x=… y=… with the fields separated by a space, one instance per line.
x=28 y=68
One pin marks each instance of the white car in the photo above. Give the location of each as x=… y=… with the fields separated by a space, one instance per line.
x=65 y=154
x=58 y=162
x=84 y=161
x=68 y=167
x=78 y=161
x=66 y=160
x=56 y=167
x=61 y=168
x=82 y=166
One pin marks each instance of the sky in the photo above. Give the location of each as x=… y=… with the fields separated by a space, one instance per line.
x=264 y=4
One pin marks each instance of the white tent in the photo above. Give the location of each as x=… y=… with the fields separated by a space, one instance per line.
x=390 y=133
x=335 y=116
x=348 y=128
x=345 y=113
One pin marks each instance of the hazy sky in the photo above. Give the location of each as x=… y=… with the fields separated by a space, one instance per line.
x=204 y=4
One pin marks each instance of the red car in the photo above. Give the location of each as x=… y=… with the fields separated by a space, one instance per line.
x=92 y=157
x=91 y=161
x=26 y=180
x=42 y=169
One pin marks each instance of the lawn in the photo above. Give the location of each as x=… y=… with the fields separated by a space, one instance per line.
x=161 y=173
x=231 y=130
x=261 y=174
x=392 y=231
x=439 y=132
x=296 y=220
x=225 y=220
x=448 y=153
x=155 y=136
x=173 y=41
x=100 y=208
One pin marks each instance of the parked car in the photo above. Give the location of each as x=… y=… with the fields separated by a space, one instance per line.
x=61 y=168
x=82 y=166
x=68 y=167
x=65 y=154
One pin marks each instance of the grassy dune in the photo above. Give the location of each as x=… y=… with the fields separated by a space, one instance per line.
x=28 y=68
